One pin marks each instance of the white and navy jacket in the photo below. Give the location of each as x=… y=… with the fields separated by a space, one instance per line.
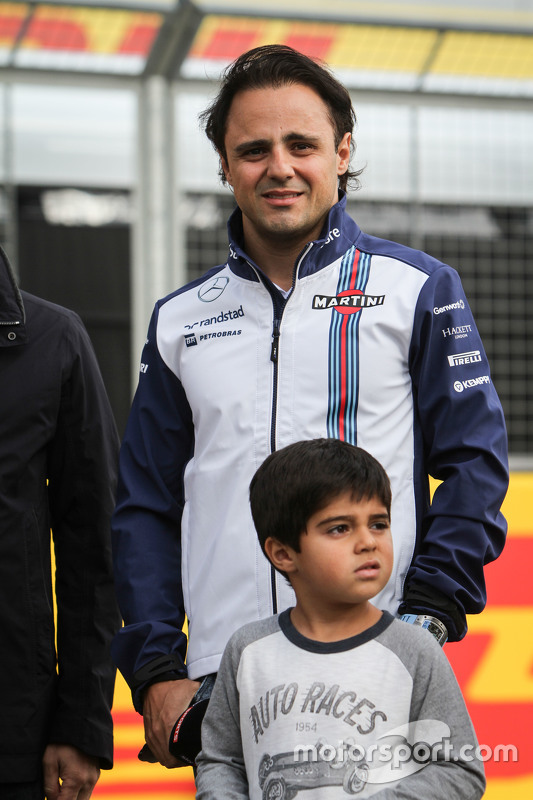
x=376 y=345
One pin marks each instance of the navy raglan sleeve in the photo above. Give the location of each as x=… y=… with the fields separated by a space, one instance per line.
x=146 y=526
x=460 y=429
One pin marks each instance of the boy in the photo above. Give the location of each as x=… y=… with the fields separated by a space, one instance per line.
x=333 y=696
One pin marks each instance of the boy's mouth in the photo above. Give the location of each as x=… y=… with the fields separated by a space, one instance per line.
x=368 y=569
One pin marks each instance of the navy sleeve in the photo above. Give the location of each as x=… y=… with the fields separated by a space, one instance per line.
x=146 y=525
x=462 y=442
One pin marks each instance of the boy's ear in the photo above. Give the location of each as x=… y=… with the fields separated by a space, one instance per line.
x=280 y=555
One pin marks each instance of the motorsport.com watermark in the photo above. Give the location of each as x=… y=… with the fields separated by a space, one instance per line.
x=396 y=754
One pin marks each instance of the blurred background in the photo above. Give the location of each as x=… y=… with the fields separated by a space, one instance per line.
x=109 y=199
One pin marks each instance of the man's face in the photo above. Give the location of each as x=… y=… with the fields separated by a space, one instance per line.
x=282 y=163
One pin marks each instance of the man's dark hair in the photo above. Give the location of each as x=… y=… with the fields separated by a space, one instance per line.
x=272 y=66
x=294 y=483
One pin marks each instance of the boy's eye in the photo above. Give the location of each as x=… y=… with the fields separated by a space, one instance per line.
x=338 y=529
x=380 y=526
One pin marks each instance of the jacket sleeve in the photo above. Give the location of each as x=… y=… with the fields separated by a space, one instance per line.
x=461 y=440
x=82 y=466
x=221 y=760
x=146 y=526
x=439 y=755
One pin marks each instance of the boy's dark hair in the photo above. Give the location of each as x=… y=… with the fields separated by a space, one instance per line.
x=272 y=66
x=294 y=483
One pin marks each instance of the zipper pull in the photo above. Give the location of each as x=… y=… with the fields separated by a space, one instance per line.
x=275 y=342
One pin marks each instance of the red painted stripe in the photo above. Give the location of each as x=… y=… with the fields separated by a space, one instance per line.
x=10 y=26
x=122 y=717
x=139 y=39
x=145 y=789
x=127 y=752
x=499 y=724
x=228 y=45
x=508 y=578
x=312 y=45
x=56 y=34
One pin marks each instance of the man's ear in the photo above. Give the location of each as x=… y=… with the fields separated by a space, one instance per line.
x=343 y=154
x=225 y=168
x=280 y=555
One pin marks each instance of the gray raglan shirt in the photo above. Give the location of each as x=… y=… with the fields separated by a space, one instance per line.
x=378 y=715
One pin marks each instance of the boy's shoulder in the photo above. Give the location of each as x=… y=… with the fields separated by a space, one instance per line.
x=253 y=631
x=413 y=645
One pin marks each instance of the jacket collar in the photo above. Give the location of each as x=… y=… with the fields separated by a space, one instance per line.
x=339 y=233
x=12 y=314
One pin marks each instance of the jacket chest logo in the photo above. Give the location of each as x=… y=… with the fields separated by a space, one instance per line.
x=348 y=302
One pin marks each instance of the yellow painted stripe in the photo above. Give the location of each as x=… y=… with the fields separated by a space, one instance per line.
x=386 y=48
x=517 y=505
x=104 y=30
x=509 y=789
x=509 y=655
x=371 y=47
x=485 y=55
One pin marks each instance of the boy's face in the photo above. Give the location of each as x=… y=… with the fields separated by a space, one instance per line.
x=345 y=553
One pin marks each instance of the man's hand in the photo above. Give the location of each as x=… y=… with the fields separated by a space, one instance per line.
x=162 y=705
x=68 y=773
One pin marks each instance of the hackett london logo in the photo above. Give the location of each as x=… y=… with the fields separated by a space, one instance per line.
x=348 y=302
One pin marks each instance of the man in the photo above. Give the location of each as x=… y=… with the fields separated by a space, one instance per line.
x=59 y=447
x=312 y=328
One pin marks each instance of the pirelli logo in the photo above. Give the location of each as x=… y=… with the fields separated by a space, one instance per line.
x=348 y=302
x=458 y=359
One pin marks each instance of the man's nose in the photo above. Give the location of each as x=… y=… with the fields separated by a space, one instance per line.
x=280 y=164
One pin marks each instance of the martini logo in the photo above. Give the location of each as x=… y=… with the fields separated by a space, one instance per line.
x=348 y=302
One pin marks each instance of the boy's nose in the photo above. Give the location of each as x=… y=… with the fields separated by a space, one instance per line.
x=365 y=541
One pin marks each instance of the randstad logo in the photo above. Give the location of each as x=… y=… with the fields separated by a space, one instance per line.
x=348 y=302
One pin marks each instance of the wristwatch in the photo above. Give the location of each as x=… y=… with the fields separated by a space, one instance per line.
x=432 y=624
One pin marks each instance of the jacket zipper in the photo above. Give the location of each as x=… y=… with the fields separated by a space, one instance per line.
x=274 y=357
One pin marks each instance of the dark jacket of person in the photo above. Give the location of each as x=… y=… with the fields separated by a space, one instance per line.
x=58 y=450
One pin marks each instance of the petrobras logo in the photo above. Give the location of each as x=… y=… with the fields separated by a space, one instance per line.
x=459 y=359
x=191 y=339
x=459 y=304
x=460 y=386
x=210 y=291
x=348 y=302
